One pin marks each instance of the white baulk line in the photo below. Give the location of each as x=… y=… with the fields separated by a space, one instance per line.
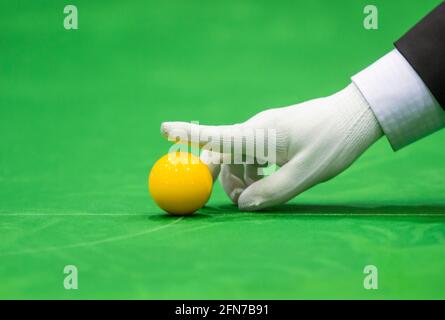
x=220 y=214
x=92 y=243
x=309 y=214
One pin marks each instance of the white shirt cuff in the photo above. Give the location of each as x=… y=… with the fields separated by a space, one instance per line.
x=403 y=105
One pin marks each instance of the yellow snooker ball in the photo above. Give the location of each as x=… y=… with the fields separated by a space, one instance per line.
x=180 y=183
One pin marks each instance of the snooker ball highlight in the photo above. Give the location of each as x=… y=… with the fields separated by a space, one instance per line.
x=180 y=183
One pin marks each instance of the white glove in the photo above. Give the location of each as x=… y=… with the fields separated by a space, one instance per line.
x=316 y=140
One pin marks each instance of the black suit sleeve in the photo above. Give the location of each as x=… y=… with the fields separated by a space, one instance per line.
x=424 y=49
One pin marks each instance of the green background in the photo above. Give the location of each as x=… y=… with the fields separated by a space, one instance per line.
x=79 y=131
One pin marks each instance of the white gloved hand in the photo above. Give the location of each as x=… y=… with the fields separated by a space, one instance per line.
x=316 y=140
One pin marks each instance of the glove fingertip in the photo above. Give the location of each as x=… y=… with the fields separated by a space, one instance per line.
x=247 y=202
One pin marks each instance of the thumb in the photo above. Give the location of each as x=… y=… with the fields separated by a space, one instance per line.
x=212 y=160
x=275 y=189
x=213 y=137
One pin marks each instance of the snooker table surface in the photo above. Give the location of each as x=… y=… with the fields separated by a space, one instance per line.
x=79 y=124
